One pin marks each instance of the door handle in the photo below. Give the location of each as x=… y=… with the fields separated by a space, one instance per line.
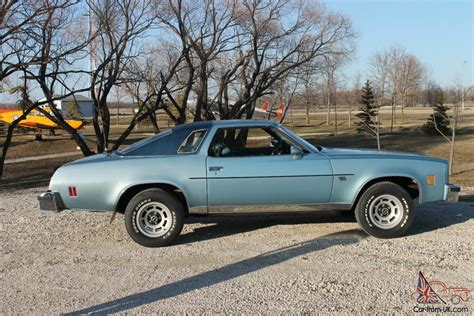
x=216 y=168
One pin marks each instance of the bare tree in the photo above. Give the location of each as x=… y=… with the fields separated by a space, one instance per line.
x=226 y=51
x=207 y=28
x=37 y=44
x=280 y=45
x=61 y=45
x=399 y=74
x=237 y=51
x=380 y=67
x=409 y=80
x=120 y=24
x=329 y=73
x=308 y=78
x=353 y=96
x=150 y=81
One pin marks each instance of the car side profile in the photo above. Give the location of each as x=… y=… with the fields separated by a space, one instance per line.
x=240 y=166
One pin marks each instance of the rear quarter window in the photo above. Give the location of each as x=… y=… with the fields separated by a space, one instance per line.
x=171 y=143
x=192 y=142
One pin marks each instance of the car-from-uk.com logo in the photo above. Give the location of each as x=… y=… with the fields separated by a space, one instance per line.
x=437 y=297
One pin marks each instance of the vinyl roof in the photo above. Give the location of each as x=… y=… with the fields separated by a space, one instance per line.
x=223 y=123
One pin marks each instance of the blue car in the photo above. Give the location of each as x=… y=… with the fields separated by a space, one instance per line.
x=239 y=166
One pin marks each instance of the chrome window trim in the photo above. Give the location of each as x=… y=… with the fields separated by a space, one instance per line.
x=198 y=147
x=302 y=146
x=285 y=130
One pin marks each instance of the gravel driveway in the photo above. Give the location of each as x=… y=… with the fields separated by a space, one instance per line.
x=76 y=262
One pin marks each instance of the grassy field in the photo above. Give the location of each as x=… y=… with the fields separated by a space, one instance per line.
x=405 y=137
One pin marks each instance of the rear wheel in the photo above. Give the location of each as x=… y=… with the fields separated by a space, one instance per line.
x=154 y=218
x=385 y=210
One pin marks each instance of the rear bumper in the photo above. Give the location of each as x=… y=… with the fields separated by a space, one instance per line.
x=451 y=193
x=50 y=201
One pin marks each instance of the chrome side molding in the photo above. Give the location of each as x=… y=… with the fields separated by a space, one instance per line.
x=277 y=208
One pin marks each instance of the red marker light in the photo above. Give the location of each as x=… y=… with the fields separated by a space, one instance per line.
x=72 y=191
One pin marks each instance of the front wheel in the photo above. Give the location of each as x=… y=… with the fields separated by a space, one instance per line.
x=154 y=218
x=385 y=210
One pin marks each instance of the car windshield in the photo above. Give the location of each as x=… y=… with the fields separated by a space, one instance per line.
x=143 y=142
x=298 y=138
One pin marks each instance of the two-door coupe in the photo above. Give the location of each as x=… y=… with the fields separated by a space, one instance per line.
x=246 y=166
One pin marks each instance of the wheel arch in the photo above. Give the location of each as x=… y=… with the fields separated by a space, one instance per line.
x=133 y=190
x=410 y=184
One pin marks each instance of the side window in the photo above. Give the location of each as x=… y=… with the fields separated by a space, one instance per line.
x=258 y=138
x=253 y=141
x=192 y=142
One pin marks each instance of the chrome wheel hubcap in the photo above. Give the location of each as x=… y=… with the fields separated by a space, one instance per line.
x=153 y=219
x=386 y=211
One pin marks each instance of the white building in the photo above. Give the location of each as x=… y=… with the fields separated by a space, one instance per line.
x=85 y=105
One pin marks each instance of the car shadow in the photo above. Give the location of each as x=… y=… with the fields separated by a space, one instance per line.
x=439 y=215
x=467 y=198
x=217 y=226
x=223 y=274
x=428 y=217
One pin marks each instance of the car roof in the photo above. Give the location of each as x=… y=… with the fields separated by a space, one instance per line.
x=221 y=124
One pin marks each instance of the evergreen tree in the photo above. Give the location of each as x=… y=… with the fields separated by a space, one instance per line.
x=439 y=119
x=368 y=111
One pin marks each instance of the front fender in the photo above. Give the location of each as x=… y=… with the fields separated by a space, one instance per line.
x=359 y=172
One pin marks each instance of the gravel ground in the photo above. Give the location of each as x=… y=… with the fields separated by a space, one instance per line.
x=76 y=262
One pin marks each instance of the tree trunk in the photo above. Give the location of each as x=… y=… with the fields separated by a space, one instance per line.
x=377 y=129
x=153 y=121
x=5 y=147
x=393 y=115
x=350 y=116
x=98 y=132
x=329 y=106
x=105 y=114
x=453 y=138
x=182 y=116
x=382 y=93
x=201 y=105
x=118 y=120
x=402 y=104
x=403 y=115
x=308 y=119
x=451 y=152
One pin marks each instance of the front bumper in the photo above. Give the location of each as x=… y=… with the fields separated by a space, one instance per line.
x=51 y=201
x=451 y=193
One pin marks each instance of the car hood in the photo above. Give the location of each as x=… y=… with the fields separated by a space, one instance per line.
x=371 y=153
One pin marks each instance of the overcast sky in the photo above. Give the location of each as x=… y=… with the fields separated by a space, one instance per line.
x=438 y=32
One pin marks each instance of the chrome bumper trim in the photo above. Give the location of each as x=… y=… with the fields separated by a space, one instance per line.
x=451 y=193
x=50 y=201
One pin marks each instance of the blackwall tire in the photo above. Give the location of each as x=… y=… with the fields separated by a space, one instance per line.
x=154 y=218
x=385 y=210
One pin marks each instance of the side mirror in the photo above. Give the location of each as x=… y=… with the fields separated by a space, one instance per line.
x=296 y=152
